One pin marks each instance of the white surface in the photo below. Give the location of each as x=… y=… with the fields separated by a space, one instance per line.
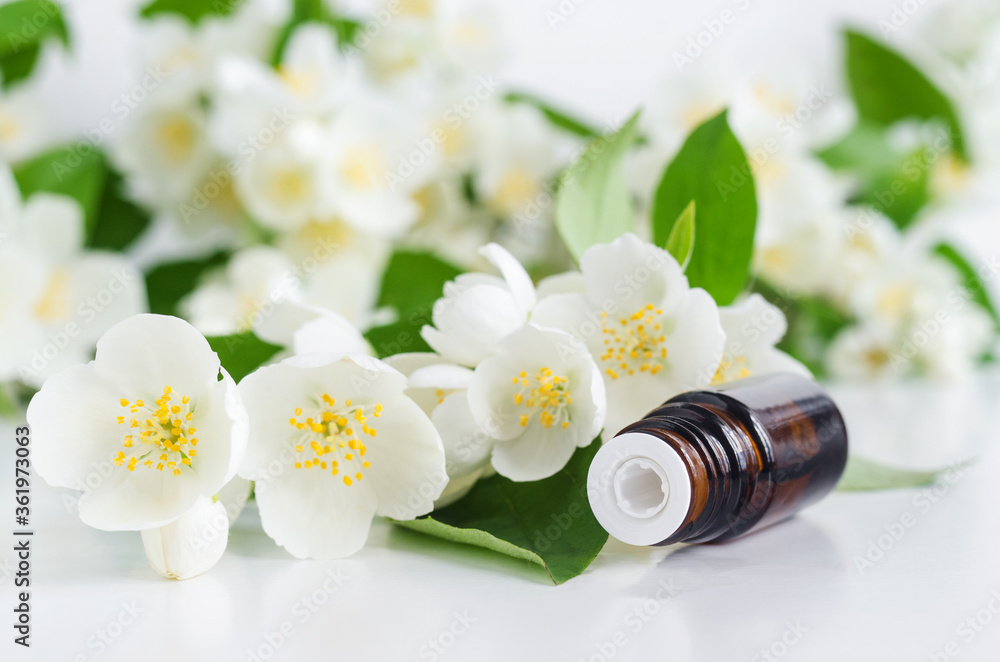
x=725 y=602
x=800 y=580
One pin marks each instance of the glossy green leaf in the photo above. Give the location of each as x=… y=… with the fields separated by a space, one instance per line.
x=711 y=169
x=242 y=353
x=314 y=11
x=888 y=88
x=556 y=117
x=971 y=281
x=112 y=221
x=412 y=282
x=865 y=475
x=69 y=171
x=894 y=184
x=168 y=283
x=192 y=10
x=680 y=243
x=548 y=522
x=118 y=221
x=812 y=324
x=25 y=25
x=593 y=205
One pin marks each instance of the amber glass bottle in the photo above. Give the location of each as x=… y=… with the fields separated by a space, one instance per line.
x=715 y=464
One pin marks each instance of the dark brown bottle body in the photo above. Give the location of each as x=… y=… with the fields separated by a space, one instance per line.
x=757 y=450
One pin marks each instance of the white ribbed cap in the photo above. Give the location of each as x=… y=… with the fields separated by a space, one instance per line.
x=639 y=488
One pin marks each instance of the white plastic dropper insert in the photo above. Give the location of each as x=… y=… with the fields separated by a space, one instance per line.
x=639 y=488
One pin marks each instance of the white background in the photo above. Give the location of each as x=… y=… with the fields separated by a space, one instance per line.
x=725 y=602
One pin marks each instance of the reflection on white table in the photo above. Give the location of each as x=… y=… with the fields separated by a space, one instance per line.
x=900 y=575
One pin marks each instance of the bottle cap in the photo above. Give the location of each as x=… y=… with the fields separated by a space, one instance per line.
x=639 y=488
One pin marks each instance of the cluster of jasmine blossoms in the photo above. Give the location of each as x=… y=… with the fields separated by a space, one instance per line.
x=163 y=442
x=56 y=297
x=158 y=432
x=522 y=376
x=312 y=162
x=908 y=312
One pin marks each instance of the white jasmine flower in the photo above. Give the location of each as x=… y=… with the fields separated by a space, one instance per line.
x=165 y=150
x=440 y=390
x=367 y=181
x=541 y=397
x=341 y=268
x=256 y=281
x=867 y=242
x=517 y=152
x=905 y=289
x=334 y=442
x=863 y=351
x=57 y=299
x=309 y=83
x=449 y=225
x=191 y=544
x=478 y=310
x=652 y=335
x=329 y=333
x=800 y=254
x=183 y=56
x=194 y=542
x=753 y=327
x=946 y=345
x=156 y=404
x=23 y=125
x=280 y=185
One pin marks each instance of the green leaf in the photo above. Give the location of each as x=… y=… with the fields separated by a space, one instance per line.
x=25 y=26
x=680 y=243
x=548 y=522
x=67 y=171
x=112 y=221
x=711 y=169
x=557 y=118
x=593 y=205
x=242 y=353
x=970 y=280
x=167 y=284
x=887 y=88
x=895 y=184
x=412 y=282
x=313 y=11
x=118 y=221
x=812 y=325
x=865 y=475
x=192 y=10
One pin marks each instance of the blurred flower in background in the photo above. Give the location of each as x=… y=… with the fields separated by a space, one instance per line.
x=314 y=184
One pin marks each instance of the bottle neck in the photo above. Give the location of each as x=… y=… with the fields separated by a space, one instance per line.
x=723 y=460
